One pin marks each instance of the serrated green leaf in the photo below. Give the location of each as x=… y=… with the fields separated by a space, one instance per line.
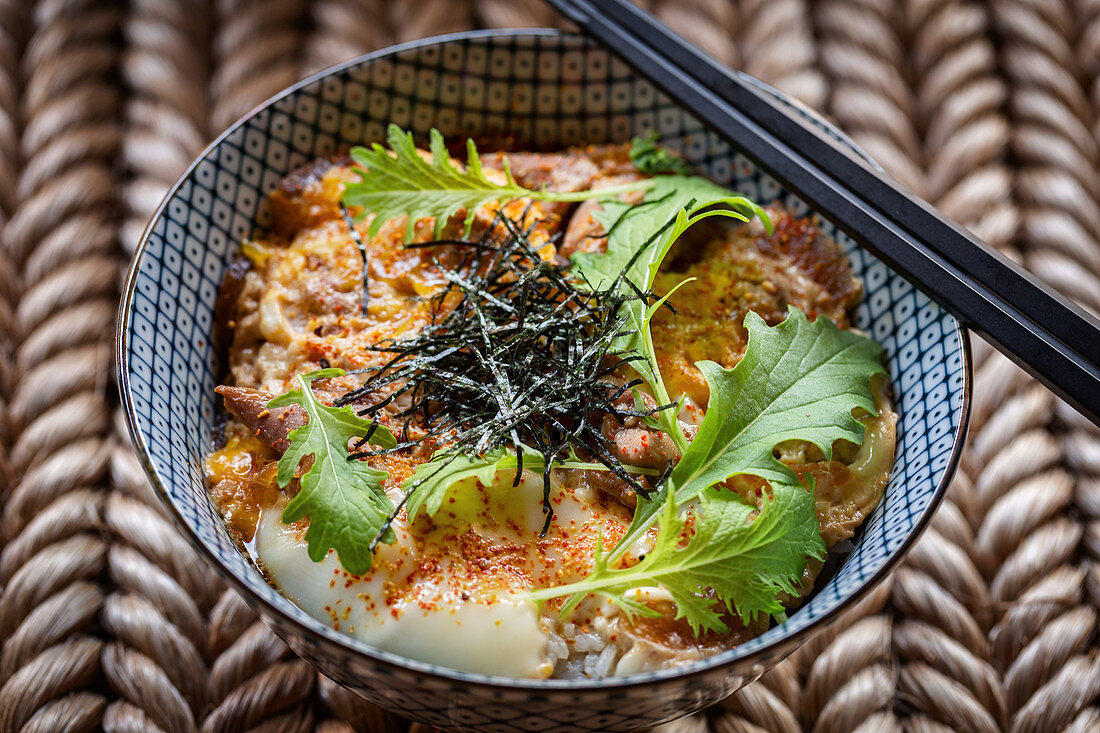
x=427 y=486
x=799 y=380
x=739 y=559
x=639 y=237
x=404 y=184
x=650 y=158
x=399 y=182
x=344 y=500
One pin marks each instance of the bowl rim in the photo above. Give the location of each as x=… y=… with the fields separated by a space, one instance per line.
x=349 y=645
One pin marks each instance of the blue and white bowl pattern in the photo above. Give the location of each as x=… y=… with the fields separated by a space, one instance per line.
x=548 y=90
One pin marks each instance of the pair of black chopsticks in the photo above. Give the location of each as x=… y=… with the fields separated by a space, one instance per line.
x=1054 y=340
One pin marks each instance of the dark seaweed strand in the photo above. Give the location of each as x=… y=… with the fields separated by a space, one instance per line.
x=517 y=354
x=355 y=237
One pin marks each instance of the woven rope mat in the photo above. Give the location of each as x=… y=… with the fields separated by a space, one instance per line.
x=109 y=621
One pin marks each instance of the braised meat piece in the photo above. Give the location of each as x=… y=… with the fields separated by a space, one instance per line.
x=272 y=426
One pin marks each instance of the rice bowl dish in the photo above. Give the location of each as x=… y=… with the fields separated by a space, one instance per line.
x=552 y=91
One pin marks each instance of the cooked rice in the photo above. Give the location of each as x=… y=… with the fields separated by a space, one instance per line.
x=587 y=652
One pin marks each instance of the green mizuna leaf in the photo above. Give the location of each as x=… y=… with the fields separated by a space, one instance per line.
x=399 y=182
x=799 y=380
x=344 y=500
x=639 y=238
x=641 y=234
x=650 y=158
x=740 y=558
x=429 y=484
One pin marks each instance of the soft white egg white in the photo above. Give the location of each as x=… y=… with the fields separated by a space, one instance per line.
x=474 y=621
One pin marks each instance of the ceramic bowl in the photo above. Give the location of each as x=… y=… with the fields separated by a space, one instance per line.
x=552 y=90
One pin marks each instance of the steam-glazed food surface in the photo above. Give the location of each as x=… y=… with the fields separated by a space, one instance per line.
x=452 y=559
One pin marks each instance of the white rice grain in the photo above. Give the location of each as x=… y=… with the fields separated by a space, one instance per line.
x=586 y=652
x=587 y=642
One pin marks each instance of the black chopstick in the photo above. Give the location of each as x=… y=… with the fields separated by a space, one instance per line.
x=1054 y=340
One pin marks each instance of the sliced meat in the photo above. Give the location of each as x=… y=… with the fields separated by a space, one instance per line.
x=613 y=159
x=643 y=446
x=800 y=246
x=304 y=176
x=612 y=487
x=571 y=170
x=576 y=169
x=271 y=426
x=584 y=233
x=225 y=307
x=633 y=443
x=310 y=195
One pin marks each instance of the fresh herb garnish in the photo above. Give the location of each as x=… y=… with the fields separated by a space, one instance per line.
x=399 y=182
x=344 y=499
x=739 y=559
x=428 y=485
x=797 y=381
x=651 y=159
x=639 y=237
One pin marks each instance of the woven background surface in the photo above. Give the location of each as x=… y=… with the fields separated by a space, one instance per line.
x=107 y=619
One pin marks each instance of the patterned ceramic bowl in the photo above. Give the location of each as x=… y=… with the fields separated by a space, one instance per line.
x=550 y=89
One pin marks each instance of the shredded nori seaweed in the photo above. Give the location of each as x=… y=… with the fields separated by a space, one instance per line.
x=519 y=354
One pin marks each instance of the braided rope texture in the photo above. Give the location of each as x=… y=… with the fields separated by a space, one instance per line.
x=990 y=110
